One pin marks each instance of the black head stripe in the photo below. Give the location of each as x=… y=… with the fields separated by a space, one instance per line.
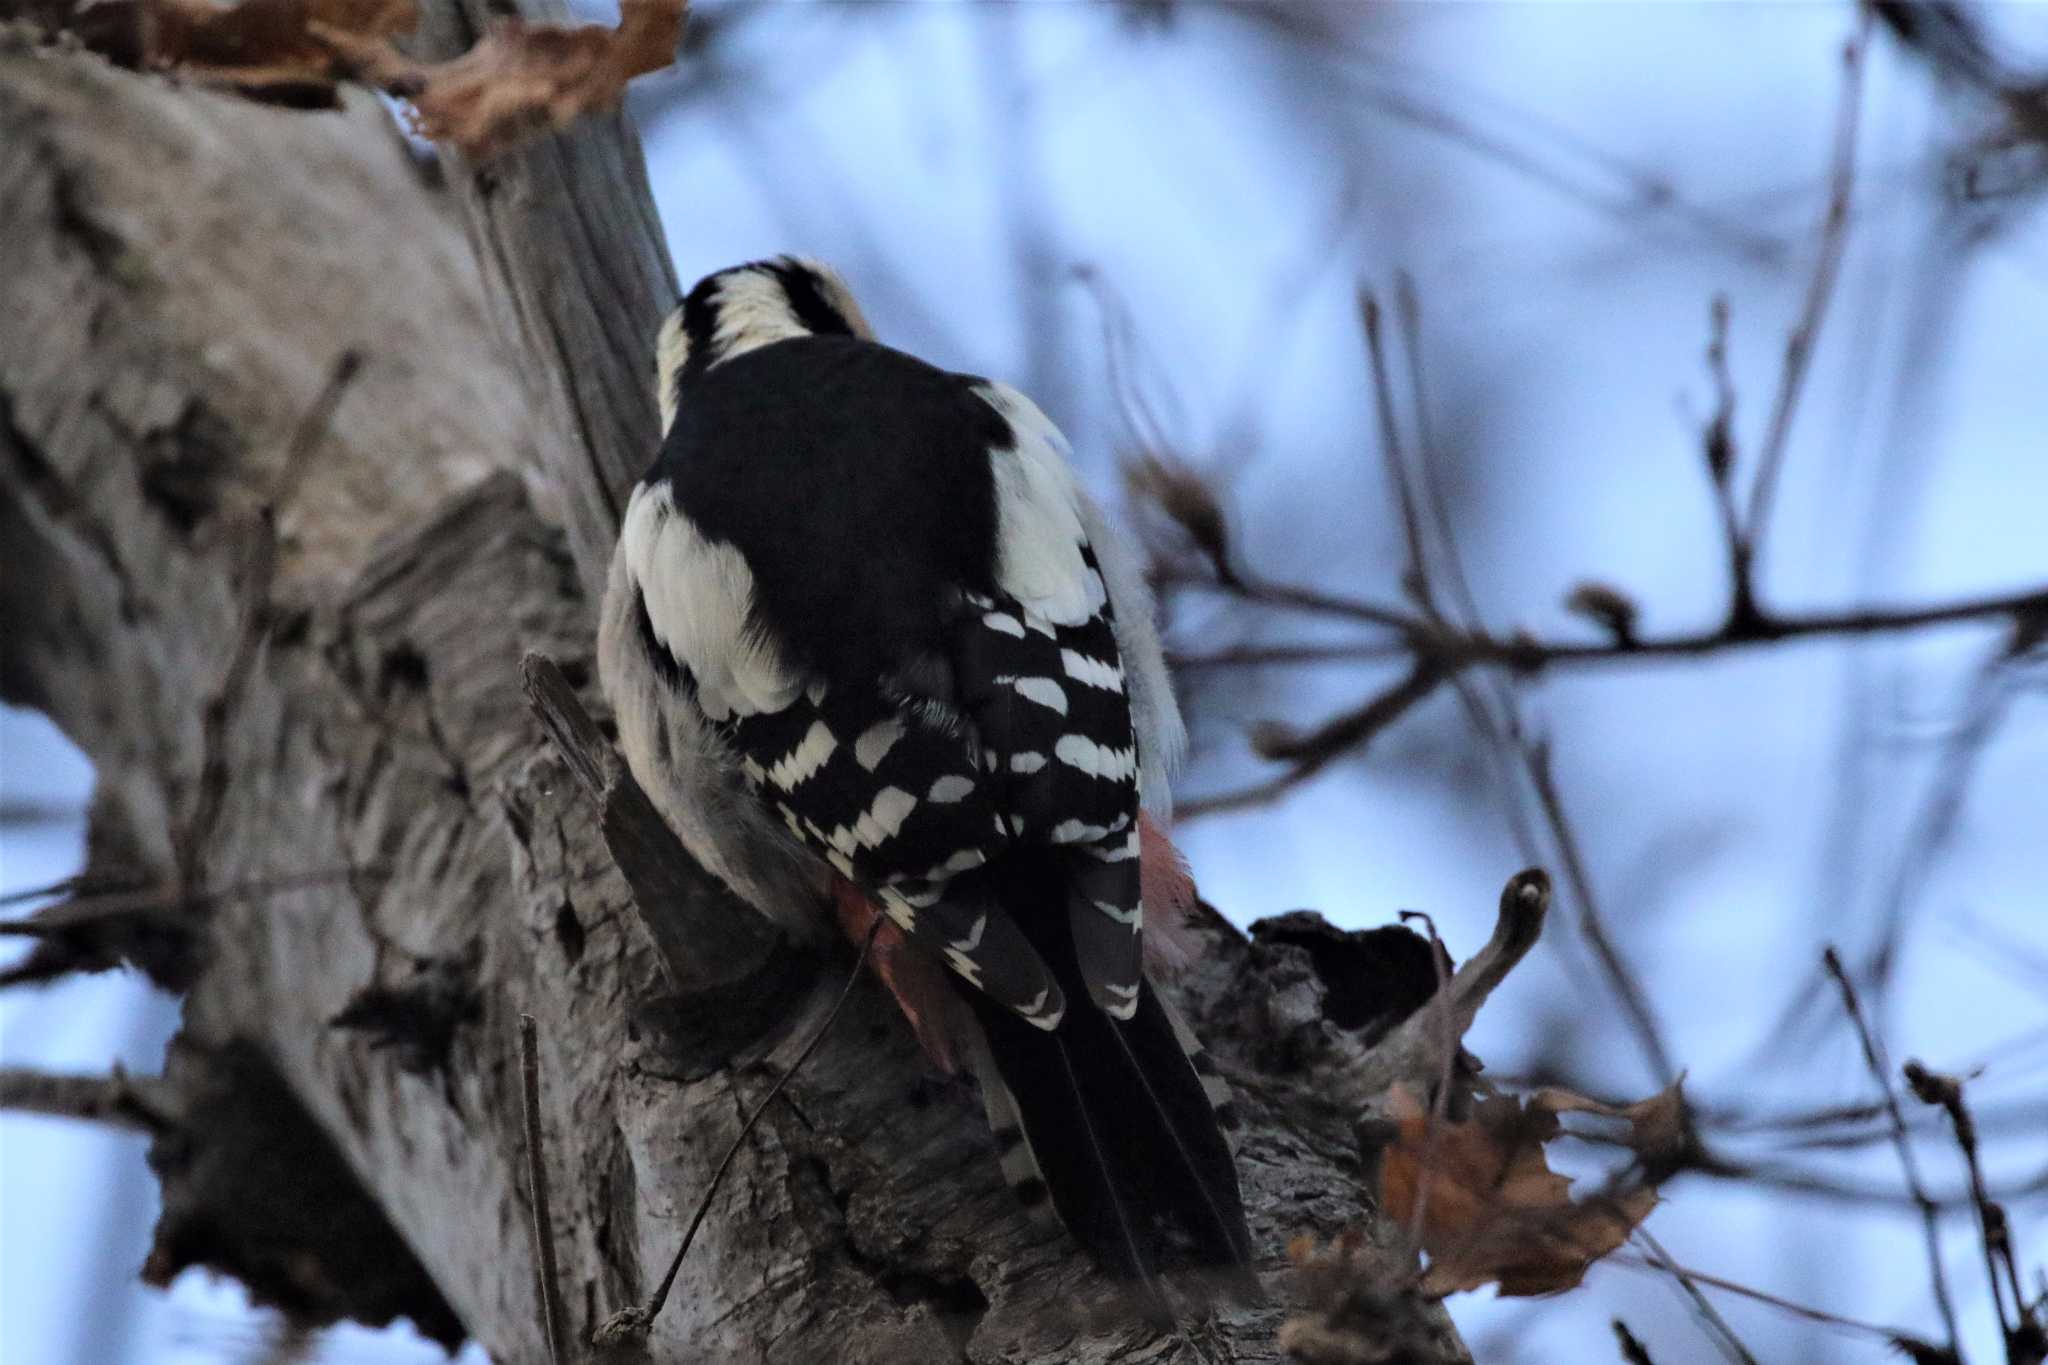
x=700 y=326
x=807 y=299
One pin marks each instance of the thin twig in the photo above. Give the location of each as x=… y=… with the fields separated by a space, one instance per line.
x=551 y=1317
x=1309 y=753
x=1448 y=1039
x=1873 y=1054
x=86 y=909
x=314 y=424
x=1635 y=1002
x=636 y=1321
x=1820 y=288
x=142 y=1103
x=1801 y=1310
x=1994 y=1228
x=1416 y=579
x=1717 y=1326
x=1251 y=656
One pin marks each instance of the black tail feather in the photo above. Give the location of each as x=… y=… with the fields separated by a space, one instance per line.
x=1112 y=1123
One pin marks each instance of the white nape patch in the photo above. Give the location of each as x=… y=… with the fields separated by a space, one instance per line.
x=671 y=353
x=876 y=741
x=1134 y=917
x=1038 y=519
x=836 y=294
x=1044 y=691
x=752 y=312
x=1081 y=752
x=698 y=594
x=1027 y=762
x=1004 y=622
x=1093 y=672
x=796 y=767
x=950 y=789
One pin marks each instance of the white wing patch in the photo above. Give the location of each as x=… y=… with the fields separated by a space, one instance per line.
x=806 y=758
x=876 y=741
x=1044 y=691
x=1038 y=516
x=1099 y=760
x=698 y=594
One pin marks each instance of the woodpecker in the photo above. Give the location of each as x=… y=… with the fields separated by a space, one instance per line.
x=868 y=641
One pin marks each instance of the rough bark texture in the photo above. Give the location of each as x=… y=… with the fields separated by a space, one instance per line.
x=278 y=671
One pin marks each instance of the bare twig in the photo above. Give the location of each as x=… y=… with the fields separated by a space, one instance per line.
x=1439 y=1009
x=87 y=909
x=1820 y=288
x=551 y=1318
x=1994 y=1228
x=1247 y=656
x=692 y=916
x=1717 y=1327
x=1811 y=1314
x=1873 y=1054
x=138 y=1102
x=1412 y=1051
x=1635 y=1002
x=313 y=425
x=629 y=1323
x=1307 y=754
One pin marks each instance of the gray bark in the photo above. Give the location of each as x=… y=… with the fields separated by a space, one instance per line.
x=292 y=653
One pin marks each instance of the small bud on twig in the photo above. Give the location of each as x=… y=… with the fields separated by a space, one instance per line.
x=1607 y=607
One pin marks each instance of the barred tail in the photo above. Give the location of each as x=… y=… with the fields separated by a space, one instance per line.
x=1119 y=1127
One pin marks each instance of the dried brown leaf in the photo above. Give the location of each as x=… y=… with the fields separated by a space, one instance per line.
x=267 y=49
x=520 y=79
x=1494 y=1211
x=525 y=78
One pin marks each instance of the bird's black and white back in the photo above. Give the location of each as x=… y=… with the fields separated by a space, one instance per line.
x=862 y=623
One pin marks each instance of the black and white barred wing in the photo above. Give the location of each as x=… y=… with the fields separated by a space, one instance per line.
x=1009 y=729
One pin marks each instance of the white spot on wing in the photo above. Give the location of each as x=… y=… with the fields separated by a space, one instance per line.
x=795 y=768
x=876 y=741
x=1026 y=762
x=1004 y=622
x=1044 y=691
x=949 y=789
x=1079 y=751
x=879 y=823
x=1134 y=917
x=1093 y=672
